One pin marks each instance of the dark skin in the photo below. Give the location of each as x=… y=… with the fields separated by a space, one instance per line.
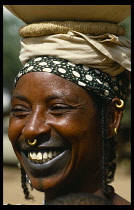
x=59 y=114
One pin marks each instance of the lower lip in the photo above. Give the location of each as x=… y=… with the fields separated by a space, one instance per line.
x=49 y=168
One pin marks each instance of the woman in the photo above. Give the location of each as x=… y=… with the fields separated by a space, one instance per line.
x=66 y=108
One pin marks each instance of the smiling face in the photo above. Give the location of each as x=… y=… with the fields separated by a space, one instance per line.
x=62 y=117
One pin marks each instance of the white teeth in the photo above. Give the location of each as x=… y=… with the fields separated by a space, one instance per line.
x=39 y=156
x=54 y=154
x=30 y=155
x=42 y=157
x=34 y=156
x=45 y=155
x=50 y=154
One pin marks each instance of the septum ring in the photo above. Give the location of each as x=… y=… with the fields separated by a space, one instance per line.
x=121 y=105
x=32 y=143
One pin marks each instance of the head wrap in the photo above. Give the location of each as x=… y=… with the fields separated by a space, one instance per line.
x=95 y=61
x=84 y=76
x=107 y=52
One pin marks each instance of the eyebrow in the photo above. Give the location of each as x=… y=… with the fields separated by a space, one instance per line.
x=53 y=97
x=48 y=99
x=61 y=96
x=22 y=98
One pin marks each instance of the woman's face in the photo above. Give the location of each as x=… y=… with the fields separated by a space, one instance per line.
x=62 y=117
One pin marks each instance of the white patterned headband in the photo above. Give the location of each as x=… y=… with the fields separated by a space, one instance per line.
x=90 y=78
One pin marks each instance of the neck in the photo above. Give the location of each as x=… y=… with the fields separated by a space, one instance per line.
x=48 y=197
x=84 y=185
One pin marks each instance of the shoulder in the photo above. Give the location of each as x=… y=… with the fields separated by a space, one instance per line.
x=118 y=200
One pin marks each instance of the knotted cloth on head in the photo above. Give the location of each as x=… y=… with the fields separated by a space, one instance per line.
x=109 y=53
x=97 y=62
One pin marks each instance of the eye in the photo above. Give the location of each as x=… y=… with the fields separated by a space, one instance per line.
x=60 y=109
x=19 y=111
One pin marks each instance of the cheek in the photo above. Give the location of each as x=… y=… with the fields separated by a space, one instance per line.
x=79 y=127
x=14 y=130
x=85 y=137
x=83 y=134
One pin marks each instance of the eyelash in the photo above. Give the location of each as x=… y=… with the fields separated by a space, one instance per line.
x=61 y=109
x=56 y=110
x=18 y=112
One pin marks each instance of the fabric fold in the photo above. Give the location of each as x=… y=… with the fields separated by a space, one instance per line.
x=109 y=53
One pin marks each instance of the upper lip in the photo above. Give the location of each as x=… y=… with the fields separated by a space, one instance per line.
x=48 y=145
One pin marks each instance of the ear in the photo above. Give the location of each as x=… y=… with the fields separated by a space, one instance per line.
x=116 y=113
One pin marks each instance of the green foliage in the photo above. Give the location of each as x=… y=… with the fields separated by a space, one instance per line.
x=124 y=136
x=127 y=25
x=11 y=48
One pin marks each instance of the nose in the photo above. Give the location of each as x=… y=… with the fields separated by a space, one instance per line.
x=35 y=125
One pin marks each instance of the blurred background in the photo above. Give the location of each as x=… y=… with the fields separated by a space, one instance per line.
x=12 y=192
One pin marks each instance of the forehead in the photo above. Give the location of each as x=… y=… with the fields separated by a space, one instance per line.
x=39 y=84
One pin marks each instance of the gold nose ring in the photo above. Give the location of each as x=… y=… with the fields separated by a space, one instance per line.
x=115 y=131
x=32 y=143
x=121 y=105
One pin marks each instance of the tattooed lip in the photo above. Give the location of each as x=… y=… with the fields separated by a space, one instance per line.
x=46 y=162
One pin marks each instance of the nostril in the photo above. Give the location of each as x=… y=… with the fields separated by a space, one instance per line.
x=43 y=137
x=31 y=131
